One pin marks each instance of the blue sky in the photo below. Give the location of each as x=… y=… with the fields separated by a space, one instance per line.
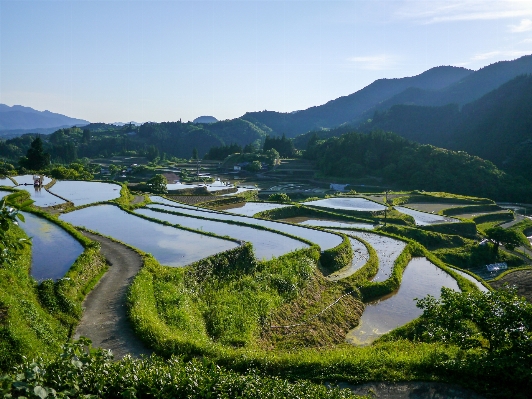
x=123 y=60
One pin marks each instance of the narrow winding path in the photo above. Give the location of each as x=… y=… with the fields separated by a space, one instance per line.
x=105 y=319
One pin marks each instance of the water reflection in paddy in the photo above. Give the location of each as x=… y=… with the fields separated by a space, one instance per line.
x=420 y=278
x=329 y=223
x=28 y=179
x=251 y=208
x=424 y=219
x=6 y=182
x=165 y=201
x=323 y=239
x=42 y=197
x=171 y=246
x=351 y=204
x=53 y=249
x=387 y=248
x=265 y=243
x=85 y=192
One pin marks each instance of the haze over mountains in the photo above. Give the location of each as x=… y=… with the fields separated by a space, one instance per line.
x=19 y=119
x=485 y=112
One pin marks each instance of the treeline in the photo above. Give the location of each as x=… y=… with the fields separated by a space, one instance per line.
x=173 y=139
x=496 y=127
x=408 y=165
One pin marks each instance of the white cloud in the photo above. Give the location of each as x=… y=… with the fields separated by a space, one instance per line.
x=428 y=12
x=524 y=26
x=374 y=62
x=511 y=54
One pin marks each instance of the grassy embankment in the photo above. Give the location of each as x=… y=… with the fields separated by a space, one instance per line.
x=38 y=318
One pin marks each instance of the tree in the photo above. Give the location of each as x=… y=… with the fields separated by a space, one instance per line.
x=509 y=238
x=279 y=197
x=194 y=153
x=254 y=166
x=158 y=184
x=36 y=158
x=498 y=319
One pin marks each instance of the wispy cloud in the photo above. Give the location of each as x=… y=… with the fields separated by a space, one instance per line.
x=429 y=12
x=499 y=54
x=524 y=26
x=377 y=62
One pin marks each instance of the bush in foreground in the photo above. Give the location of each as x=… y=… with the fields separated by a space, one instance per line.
x=81 y=372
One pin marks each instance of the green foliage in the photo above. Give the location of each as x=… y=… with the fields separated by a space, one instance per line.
x=74 y=171
x=82 y=372
x=498 y=320
x=8 y=218
x=158 y=184
x=509 y=238
x=254 y=166
x=36 y=158
x=410 y=165
x=279 y=197
x=221 y=152
x=283 y=146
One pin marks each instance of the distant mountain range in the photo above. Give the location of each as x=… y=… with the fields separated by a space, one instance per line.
x=18 y=119
x=205 y=119
x=437 y=86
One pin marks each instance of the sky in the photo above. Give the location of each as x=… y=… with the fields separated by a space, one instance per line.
x=124 y=60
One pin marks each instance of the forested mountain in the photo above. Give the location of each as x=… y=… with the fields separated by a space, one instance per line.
x=496 y=127
x=353 y=106
x=408 y=165
x=435 y=87
x=150 y=139
x=22 y=118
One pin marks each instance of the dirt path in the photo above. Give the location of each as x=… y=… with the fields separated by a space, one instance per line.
x=104 y=318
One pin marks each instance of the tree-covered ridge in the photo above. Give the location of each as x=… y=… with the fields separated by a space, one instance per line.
x=176 y=139
x=497 y=127
x=402 y=163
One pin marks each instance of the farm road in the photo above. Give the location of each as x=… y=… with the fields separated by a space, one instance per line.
x=105 y=319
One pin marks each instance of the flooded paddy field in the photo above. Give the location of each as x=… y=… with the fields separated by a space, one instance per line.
x=424 y=219
x=387 y=248
x=420 y=278
x=350 y=204
x=85 y=192
x=266 y=244
x=6 y=182
x=42 y=197
x=28 y=180
x=479 y=285
x=53 y=250
x=360 y=257
x=323 y=239
x=320 y=222
x=171 y=246
x=251 y=208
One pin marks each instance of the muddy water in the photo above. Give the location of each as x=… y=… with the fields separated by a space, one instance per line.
x=323 y=239
x=251 y=208
x=170 y=246
x=424 y=219
x=53 y=250
x=360 y=257
x=387 y=248
x=265 y=243
x=85 y=192
x=351 y=204
x=420 y=278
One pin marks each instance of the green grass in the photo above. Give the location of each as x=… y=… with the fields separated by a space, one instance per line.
x=26 y=329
